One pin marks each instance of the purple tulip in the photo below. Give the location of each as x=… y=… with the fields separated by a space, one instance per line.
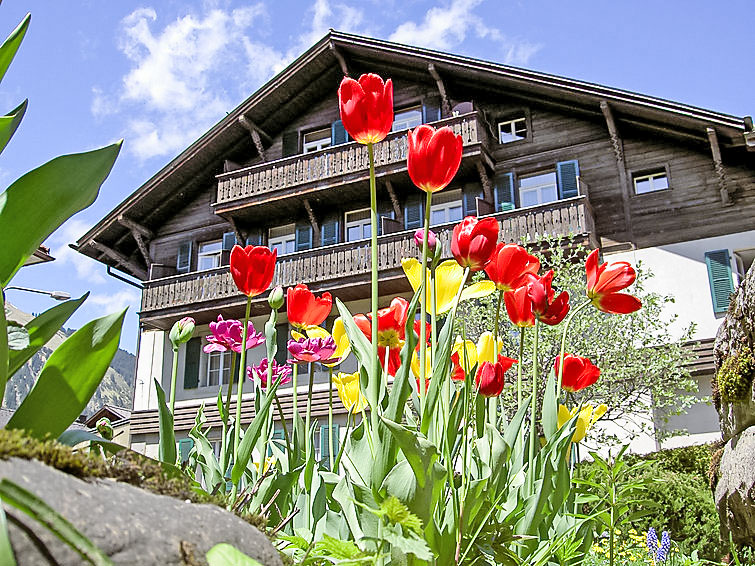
x=312 y=350
x=226 y=335
x=282 y=372
x=432 y=240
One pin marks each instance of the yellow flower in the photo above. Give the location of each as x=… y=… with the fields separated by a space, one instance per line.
x=486 y=348
x=448 y=276
x=269 y=462
x=467 y=354
x=349 y=392
x=587 y=418
x=428 y=364
x=343 y=346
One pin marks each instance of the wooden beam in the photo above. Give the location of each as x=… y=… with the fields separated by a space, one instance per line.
x=312 y=219
x=252 y=127
x=142 y=248
x=445 y=105
x=487 y=184
x=719 y=166
x=394 y=200
x=239 y=235
x=339 y=56
x=126 y=262
x=135 y=227
x=618 y=151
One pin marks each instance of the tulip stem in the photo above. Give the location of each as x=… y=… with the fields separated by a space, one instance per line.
x=224 y=440
x=308 y=415
x=282 y=418
x=519 y=369
x=239 y=390
x=423 y=309
x=563 y=347
x=330 y=418
x=375 y=380
x=295 y=397
x=173 y=376
x=533 y=413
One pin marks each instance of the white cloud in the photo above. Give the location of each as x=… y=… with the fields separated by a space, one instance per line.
x=444 y=27
x=86 y=268
x=113 y=302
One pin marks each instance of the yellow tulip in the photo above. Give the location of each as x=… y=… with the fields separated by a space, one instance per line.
x=428 y=364
x=349 y=392
x=468 y=354
x=343 y=346
x=587 y=417
x=486 y=350
x=448 y=277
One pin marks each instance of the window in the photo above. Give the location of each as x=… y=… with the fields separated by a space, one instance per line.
x=312 y=141
x=358 y=225
x=209 y=255
x=446 y=208
x=283 y=239
x=650 y=182
x=744 y=260
x=218 y=368
x=407 y=119
x=538 y=189
x=512 y=130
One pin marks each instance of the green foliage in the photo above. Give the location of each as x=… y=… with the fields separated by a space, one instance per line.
x=167 y=447
x=735 y=376
x=6 y=551
x=224 y=554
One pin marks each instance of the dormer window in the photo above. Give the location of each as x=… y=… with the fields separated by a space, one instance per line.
x=650 y=182
x=314 y=141
x=407 y=118
x=512 y=130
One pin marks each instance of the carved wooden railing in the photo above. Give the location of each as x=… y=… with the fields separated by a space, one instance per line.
x=342 y=261
x=331 y=162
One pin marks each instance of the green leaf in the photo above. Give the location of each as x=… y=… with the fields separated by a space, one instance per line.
x=224 y=554
x=35 y=205
x=11 y=44
x=398 y=513
x=41 y=329
x=337 y=549
x=409 y=543
x=167 y=447
x=77 y=436
x=3 y=348
x=362 y=349
x=550 y=406
x=18 y=337
x=6 y=551
x=441 y=361
x=69 y=378
x=10 y=122
x=38 y=510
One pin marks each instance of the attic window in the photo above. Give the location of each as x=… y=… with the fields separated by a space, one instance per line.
x=650 y=182
x=512 y=130
x=313 y=141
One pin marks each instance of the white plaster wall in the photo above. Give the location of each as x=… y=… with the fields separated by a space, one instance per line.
x=680 y=270
x=151 y=363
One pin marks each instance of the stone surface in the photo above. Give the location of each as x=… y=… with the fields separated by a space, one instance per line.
x=735 y=491
x=130 y=525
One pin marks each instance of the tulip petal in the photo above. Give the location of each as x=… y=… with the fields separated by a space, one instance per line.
x=618 y=303
x=478 y=290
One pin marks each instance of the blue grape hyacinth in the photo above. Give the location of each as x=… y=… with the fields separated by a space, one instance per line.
x=658 y=550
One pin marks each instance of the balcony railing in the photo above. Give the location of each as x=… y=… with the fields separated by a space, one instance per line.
x=332 y=162
x=341 y=262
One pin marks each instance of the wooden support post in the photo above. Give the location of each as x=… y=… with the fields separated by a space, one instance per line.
x=312 y=219
x=240 y=237
x=139 y=233
x=126 y=262
x=445 y=105
x=394 y=200
x=618 y=151
x=719 y=166
x=487 y=184
x=256 y=134
x=339 y=56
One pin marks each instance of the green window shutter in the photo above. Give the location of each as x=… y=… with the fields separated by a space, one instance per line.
x=290 y=143
x=413 y=213
x=281 y=341
x=719 y=276
x=504 y=192
x=191 y=363
x=469 y=202
x=329 y=232
x=338 y=133
x=254 y=238
x=303 y=237
x=567 y=173
x=430 y=111
x=184 y=448
x=324 y=448
x=183 y=260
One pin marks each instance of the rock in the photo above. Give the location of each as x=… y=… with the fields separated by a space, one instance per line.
x=735 y=491
x=131 y=525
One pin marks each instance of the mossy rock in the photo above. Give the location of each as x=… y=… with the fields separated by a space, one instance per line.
x=735 y=376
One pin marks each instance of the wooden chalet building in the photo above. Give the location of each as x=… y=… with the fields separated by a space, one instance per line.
x=640 y=177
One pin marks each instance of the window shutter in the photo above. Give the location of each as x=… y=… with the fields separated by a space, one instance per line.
x=229 y=240
x=281 y=342
x=504 y=192
x=430 y=111
x=325 y=450
x=290 y=143
x=567 y=172
x=191 y=363
x=338 y=133
x=254 y=238
x=469 y=204
x=719 y=276
x=183 y=260
x=184 y=448
x=303 y=237
x=329 y=233
x=380 y=215
x=413 y=212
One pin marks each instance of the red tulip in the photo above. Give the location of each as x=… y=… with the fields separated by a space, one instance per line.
x=457 y=374
x=511 y=266
x=434 y=157
x=490 y=378
x=519 y=307
x=366 y=107
x=579 y=372
x=604 y=282
x=304 y=309
x=391 y=331
x=252 y=268
x=474 y=241
x=545 y=307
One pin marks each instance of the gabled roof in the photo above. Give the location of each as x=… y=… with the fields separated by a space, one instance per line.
x=318 y=71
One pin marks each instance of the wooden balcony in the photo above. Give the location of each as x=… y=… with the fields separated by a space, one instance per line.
x=346 y=163
x=344 y=268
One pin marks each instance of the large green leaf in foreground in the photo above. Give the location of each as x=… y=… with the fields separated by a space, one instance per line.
x=10 y=122
x=69 y=378
x=35 y=205
x=11 y=44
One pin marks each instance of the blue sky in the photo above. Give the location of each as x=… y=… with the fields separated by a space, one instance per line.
x=159 y=74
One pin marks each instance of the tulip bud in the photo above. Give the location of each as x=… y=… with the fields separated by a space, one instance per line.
x=275 y=300
x=181 y=332
x=432 y=240
x=105 y=428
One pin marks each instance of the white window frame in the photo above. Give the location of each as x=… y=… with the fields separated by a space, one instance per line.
x=514 y=130
x=319 y=142
x=402 y=120
x=448 y=203
x=286 y=235
x=361 y=223
x=214 y=255
x=743 y=260
x=540 y=188
x=653 y=178
x=222 y=374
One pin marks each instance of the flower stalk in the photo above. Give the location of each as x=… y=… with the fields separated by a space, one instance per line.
x=239 y=391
